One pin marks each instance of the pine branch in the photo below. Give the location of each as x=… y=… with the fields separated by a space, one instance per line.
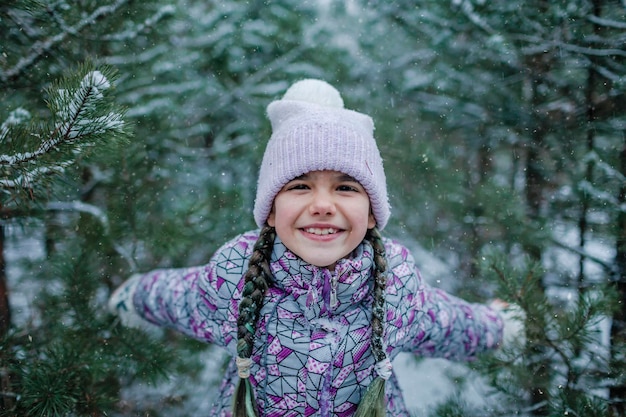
x=103 y=219
x=150 y=22
x=606 y=266
x=562 y=338
x=26 y=180
x=16 y=118
x=80 y=117
x=41 y=47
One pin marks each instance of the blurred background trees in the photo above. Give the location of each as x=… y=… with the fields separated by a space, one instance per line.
x=531 y=97
x=502 y=129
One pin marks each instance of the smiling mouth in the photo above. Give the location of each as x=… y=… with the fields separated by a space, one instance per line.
x=321 y=231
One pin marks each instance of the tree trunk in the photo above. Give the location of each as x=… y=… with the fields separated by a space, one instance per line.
x=618 y=326
x=535 y=326
x=534 y=193
x=6 y=399
x=5 y=311
x=585 y=199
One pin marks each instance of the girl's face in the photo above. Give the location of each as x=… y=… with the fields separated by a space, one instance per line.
x=322 y=216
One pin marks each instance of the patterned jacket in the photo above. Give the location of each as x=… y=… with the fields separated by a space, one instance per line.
x=311 y=356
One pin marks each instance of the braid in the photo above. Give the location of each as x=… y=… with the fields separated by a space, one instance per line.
x=380 y=284
x=373 y=403
x=257 y=280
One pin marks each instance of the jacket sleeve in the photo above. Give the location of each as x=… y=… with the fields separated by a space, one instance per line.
x=428 y=321
x=201 y=301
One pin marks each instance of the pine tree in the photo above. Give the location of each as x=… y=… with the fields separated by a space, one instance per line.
x=527 y=96
x=67 y=360
x=61 y=353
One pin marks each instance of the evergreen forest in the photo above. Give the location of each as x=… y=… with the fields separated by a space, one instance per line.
x=131 y=134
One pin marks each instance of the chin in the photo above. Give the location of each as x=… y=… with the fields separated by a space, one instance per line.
x=321 y=263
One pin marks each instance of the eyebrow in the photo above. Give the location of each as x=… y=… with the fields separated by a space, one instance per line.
x=340 y=177
x=346 y=177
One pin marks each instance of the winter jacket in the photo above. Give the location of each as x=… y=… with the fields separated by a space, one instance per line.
x=313 y=357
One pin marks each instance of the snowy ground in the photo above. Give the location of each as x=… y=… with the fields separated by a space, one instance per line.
x=428 y=382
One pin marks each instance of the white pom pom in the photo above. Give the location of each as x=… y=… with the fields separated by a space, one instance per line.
x=314 y=91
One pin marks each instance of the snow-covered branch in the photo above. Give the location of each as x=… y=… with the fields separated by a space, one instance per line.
x=610 y=23
x=75 y=122
x=163 y=12
x=16 y=117
x=601 y=196
x=78 y=122
x=30 y=176
x=73 y=125
x=41 y=47
x=98 y=214
x=538 y=45
x=606 y=266
x=468 y=9
x=606 y=169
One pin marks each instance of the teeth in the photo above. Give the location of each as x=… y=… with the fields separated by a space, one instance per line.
x=318 y=231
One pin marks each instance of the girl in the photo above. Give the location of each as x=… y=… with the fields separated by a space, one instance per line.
x=315 y=304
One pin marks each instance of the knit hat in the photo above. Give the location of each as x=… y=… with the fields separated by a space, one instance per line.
x=312 y=131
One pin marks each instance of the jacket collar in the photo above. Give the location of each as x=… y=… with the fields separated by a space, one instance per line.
x=318 y=291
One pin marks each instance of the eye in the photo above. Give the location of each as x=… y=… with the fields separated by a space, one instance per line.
x=348 y=187
x=296 y=186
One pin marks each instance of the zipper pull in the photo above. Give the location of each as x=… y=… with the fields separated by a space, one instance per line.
x=333 y=291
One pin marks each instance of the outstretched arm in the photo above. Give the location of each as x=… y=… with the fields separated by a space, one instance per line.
x=198 y=301
x=430 y=322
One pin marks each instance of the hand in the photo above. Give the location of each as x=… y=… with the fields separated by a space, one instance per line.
x=513 y=318
x=121 y=305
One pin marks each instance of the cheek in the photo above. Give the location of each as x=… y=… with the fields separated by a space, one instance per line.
x=282 y=212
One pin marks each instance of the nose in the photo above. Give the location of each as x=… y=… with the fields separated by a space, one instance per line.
x=322 y=204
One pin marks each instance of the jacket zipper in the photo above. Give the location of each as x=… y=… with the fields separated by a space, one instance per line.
x=334 y=280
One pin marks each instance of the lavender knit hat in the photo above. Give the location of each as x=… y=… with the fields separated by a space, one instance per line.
x=312 y=131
